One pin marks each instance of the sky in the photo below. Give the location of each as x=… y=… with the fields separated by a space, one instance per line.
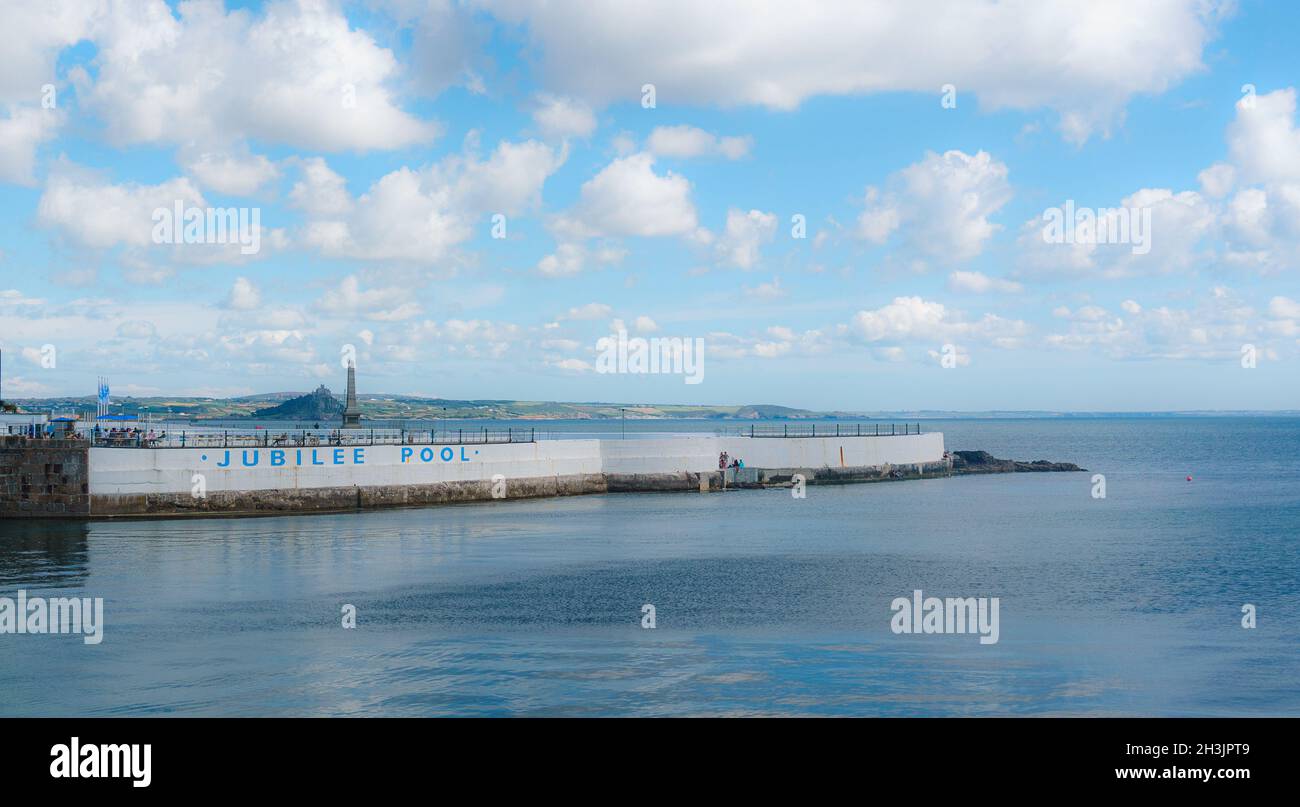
x=839 y=205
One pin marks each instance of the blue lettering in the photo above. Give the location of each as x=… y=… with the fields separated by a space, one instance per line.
x=426 y=454
x=299 y=460
x=224 y=461
x=338 y=456
x=248 y=464
x=277 y=456
x=406 y=453
x=448 y=454
x=313 y=458
x=358 y=456
x=463 y=458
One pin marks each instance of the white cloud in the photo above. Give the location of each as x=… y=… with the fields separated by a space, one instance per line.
x=913 y=319
x=771 y=290
x=243 y=296
x=14 y=300
x=941 y=204
x=34 y=34
x=1176 y=227
x=101 y=215
x=566 y=260
x=628 y=198
x=689 y=141
x=1217 y=180
x=1264 y=141
x=744 y=235
x=559 y=117
x=265 y=346
x=136 y=329
x=1070 y=57
x=21 y=132
x=571 y=258
x=980 y=283
x=17 y=386
x=234 y=174
x=589 y=311
x=473 y=339
x=320 y=192
x=384 y=304
x=1214 y=329
x=572 y=365
x=419 y=216
x=1284 y=308
x=297 y=74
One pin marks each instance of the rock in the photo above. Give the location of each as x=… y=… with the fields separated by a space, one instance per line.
x=319 y=405
x=982 y=462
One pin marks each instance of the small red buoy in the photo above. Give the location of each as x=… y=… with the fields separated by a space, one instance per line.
x=1189 y=478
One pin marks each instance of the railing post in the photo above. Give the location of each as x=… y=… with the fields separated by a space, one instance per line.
x=225 y=439
x=893 y=429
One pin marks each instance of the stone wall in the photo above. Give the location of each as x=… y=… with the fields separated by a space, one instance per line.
x=44 y=478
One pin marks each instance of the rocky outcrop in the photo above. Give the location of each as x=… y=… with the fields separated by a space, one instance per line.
x=319 y=405
x=982 y=462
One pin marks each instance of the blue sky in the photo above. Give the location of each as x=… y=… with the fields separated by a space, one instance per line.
x=377 y=140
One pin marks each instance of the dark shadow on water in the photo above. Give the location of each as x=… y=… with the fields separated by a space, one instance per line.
x=44 y=554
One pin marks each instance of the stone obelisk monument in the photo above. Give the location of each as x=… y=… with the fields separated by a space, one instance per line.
x=351 y=412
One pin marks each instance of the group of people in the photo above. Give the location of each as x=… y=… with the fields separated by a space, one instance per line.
x=132 y=436
x=725 y=462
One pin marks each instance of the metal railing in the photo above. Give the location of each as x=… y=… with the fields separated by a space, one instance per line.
x=835 y=430
x=277 y=438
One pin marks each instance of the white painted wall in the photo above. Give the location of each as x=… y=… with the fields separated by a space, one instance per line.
x=116 y=471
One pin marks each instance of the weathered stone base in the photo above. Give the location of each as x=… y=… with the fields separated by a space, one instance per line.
x=43 y=478
x=663 y=483
x=340 y=499
x=774 y=477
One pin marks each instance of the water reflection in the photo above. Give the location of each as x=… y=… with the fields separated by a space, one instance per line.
x=44 y=554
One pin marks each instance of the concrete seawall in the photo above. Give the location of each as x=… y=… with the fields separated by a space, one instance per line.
x=268 y=479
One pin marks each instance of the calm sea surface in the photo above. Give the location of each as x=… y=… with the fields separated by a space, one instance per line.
x=765 y=604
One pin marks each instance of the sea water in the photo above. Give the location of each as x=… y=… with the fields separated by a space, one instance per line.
x=764 y=604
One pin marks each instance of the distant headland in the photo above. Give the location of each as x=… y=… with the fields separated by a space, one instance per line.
x=325 y=406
